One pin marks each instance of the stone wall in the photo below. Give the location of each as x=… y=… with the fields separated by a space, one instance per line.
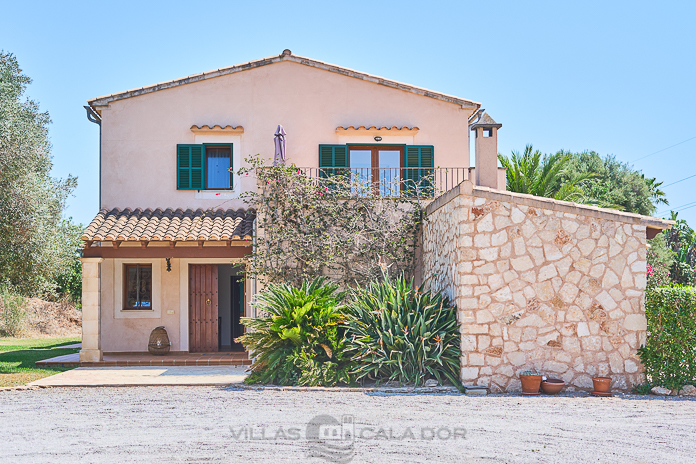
x=539 y=287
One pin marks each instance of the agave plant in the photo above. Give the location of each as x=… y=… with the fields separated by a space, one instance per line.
x=398 y=332
x=300 y=341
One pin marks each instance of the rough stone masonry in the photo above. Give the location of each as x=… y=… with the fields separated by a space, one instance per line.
x=539 y=287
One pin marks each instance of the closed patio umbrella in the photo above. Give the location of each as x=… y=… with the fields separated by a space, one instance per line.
x=279 y=153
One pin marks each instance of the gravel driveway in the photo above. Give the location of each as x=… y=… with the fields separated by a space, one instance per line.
x=214 y=424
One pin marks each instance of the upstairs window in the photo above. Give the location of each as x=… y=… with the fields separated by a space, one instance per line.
x=204 y=167
x=386 y=170
x=218 y=165
x=378 y=166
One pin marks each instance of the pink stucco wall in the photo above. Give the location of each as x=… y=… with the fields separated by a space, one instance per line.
x=140 y=134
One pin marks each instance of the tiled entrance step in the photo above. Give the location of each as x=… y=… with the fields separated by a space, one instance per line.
x=146 y=359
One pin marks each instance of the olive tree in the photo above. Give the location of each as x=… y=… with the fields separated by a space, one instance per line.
x=35 y=244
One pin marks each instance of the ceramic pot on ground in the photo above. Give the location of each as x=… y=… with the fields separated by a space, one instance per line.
x=552 y=386
x=601 y=384
x=530 y=384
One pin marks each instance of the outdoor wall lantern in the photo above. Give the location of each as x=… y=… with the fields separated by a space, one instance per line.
x=378 y=138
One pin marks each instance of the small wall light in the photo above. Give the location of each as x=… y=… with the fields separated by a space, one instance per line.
x=378 y=138
x=169 y=264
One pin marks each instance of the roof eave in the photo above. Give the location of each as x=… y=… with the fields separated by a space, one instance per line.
x=106 y=99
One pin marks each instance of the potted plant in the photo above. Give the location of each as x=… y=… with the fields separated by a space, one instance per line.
x=552 y=386
x=531 y=381
x=601 y=386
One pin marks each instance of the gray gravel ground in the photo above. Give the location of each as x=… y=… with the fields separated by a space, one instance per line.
x=199 y=424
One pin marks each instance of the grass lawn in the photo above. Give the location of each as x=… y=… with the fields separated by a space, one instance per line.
x=17 y=358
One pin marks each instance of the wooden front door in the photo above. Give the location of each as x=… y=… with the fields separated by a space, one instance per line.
x=203 y=307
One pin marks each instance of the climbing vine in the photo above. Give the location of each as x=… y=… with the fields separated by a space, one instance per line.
x=327 y=223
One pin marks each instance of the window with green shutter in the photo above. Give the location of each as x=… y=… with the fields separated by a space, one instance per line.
x=189 y=167
x=201 y=167
x=418 y=173
x=333 y=160
x=380 y=165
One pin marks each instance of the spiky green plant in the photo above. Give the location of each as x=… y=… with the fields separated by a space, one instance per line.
x=300 y=341
x=540 y=175
x=398 y=332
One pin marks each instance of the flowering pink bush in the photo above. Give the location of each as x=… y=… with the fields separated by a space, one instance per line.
x=650 y=269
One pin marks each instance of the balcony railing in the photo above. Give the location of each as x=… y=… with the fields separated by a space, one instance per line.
x=391 y=182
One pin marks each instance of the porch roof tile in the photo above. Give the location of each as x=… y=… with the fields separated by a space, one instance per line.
x=170 y=225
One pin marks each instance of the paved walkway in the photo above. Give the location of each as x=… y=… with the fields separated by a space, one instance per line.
x=145 y=376
x=75 y=346
x=232 y=358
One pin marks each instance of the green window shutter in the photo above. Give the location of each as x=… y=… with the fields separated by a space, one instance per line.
x=418 y=178
x=189 y=167
x=420 y=156
x=232 y=170
x=332 y=156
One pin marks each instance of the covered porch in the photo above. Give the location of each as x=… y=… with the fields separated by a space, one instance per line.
x=181 y=270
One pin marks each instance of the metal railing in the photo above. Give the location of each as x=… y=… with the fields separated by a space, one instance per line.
x=392 y=182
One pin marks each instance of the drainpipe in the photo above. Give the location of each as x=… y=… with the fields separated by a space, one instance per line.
x=92 y=116
x=476 y=114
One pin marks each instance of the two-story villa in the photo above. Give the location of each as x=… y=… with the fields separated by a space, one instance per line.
x=169 y=153
x=539 y=283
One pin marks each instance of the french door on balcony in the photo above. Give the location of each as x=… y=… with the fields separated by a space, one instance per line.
x=377 y=169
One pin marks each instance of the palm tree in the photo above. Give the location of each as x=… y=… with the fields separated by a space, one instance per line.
x=541 y=176
x=656 y=195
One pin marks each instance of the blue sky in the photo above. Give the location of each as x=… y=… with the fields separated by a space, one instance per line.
x=614 y=77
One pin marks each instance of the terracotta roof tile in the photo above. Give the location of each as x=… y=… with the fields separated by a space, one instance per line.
x=170 y=225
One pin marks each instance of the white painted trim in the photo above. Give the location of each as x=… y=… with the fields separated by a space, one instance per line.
x=184 y=293
x=156 y=311
x=216 y=194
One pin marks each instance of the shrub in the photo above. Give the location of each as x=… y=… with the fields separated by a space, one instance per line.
x=69 y=283
x=299 y=341
x=398 y=332
x=682 y=240
x=683 y=273
x=14 y=313
x=642 y=389
x=660 y=260
x=669 y=355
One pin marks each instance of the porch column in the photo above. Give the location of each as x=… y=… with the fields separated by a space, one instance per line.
x=91 y=310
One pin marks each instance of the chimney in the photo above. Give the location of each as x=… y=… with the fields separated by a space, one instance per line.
x=486 y=149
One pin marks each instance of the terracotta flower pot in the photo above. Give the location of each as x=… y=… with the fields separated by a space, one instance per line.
x=530 y=383
x=601 y=384
x=552 y=386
